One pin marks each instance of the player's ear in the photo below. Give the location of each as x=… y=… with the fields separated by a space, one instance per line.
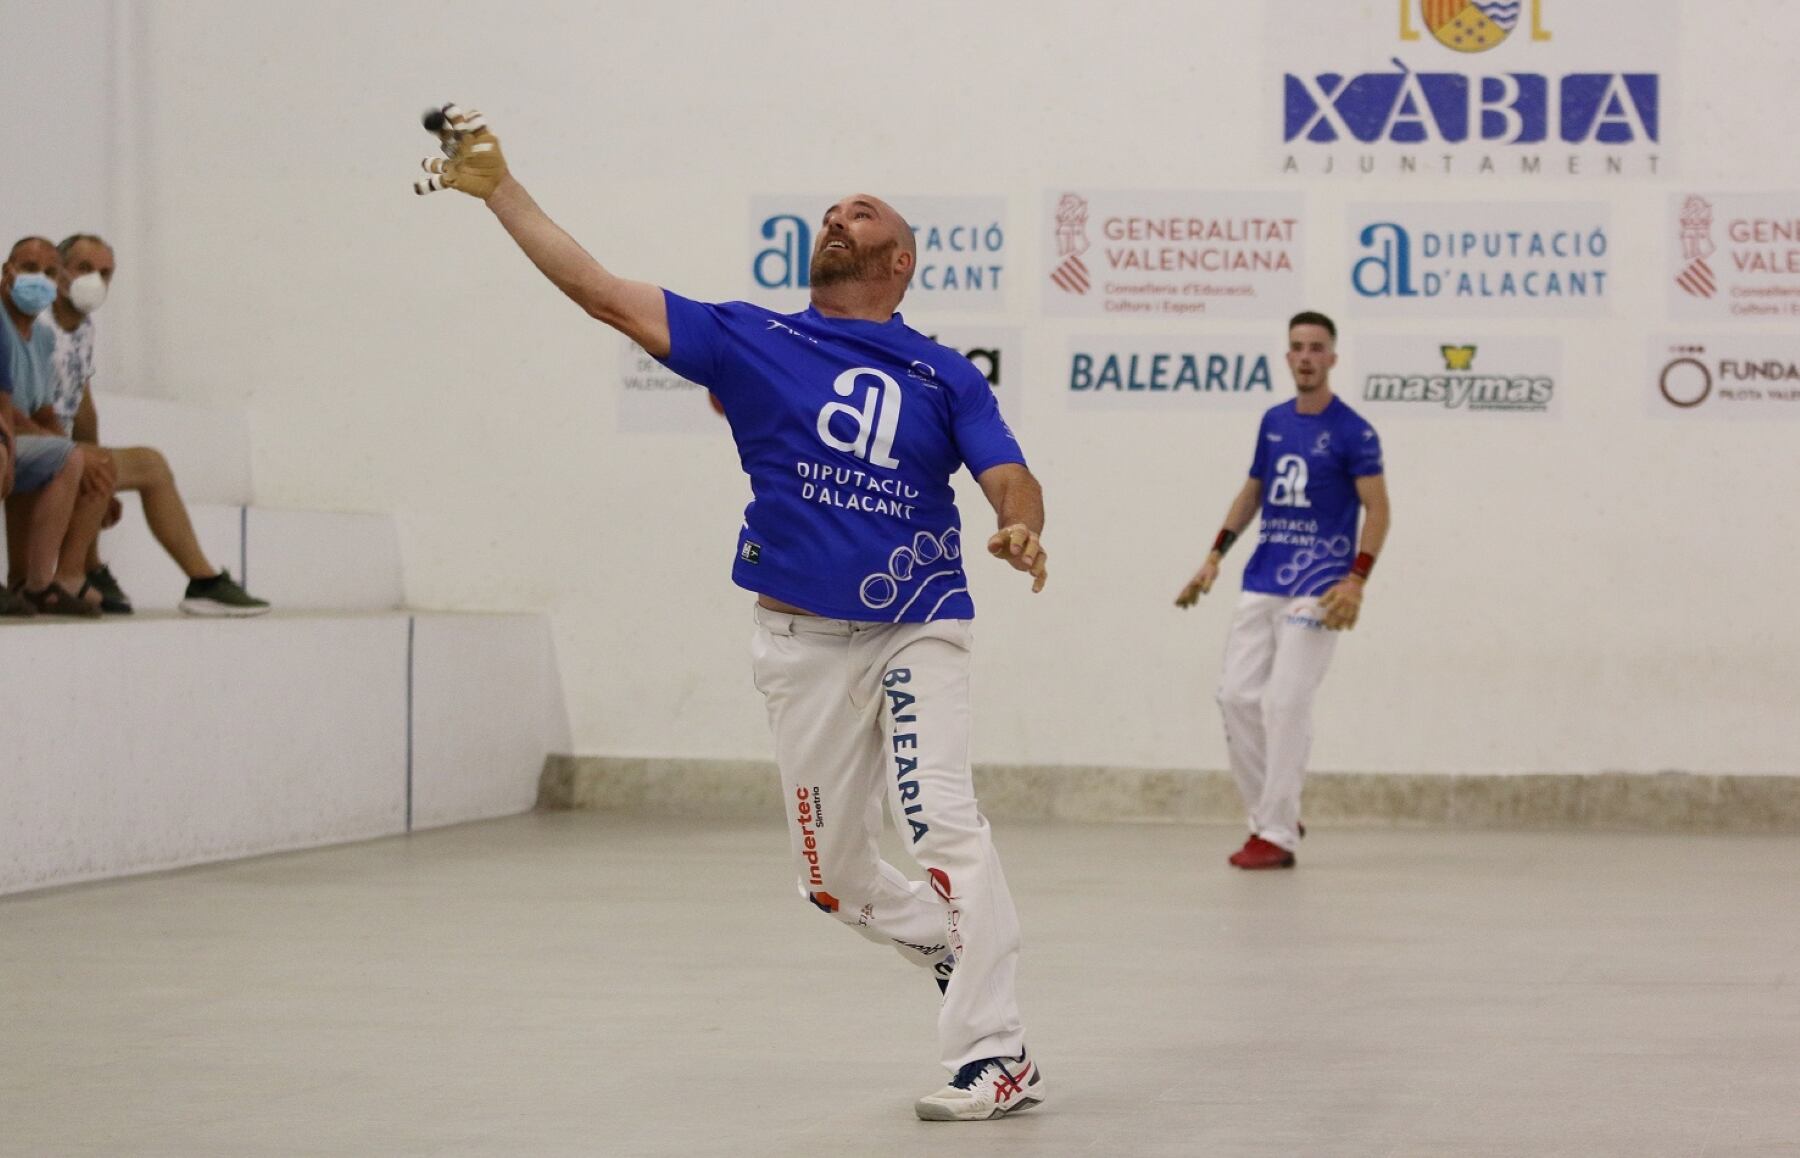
x=904 y=262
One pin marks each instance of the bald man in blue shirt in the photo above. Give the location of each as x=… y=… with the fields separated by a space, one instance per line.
x=850 y=425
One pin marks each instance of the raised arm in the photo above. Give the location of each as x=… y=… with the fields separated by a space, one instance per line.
x=476 y=166
x=1018 y=501
x=1237 y=517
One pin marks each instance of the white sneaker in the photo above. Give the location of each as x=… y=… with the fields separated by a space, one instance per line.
x=985 y=1089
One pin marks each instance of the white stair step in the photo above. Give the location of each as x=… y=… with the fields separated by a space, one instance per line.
x=314 y=560
x=208 y=447
x=203 y=739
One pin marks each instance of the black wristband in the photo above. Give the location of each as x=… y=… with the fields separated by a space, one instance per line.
x=1223 y=543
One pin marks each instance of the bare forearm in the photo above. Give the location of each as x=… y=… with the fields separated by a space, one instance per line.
x=1021 y=503
x=1243 y=510
x=19 y=422
x=87 y=420
x=558 y=256
x=1237 y=517
x=1374 y=531
x=634 y=308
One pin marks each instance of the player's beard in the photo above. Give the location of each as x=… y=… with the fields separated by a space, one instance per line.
x=831 y=266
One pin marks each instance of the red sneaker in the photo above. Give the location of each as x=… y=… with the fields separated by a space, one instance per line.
x=1258 y=853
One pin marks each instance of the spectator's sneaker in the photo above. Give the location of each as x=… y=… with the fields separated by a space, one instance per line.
x=15 y=606
x=985 y=1089
x=220 y=596
x=1258 y=853
x=53 y=600
x=941 y=973
x=113 y=600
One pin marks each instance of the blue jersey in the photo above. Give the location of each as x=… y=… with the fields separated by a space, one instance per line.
x=850 y=431
x=1308 y=465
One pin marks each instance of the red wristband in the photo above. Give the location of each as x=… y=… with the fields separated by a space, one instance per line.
x=1364 y=564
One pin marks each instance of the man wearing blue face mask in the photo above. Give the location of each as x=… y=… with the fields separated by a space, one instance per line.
x=59 y=495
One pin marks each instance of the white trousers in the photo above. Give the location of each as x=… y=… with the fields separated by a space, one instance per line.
x=1275 y=659
x=867 y=711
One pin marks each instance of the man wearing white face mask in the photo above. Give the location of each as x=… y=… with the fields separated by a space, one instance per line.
x=87 y=272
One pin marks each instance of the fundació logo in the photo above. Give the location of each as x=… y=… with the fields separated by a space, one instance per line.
x=1686 y=381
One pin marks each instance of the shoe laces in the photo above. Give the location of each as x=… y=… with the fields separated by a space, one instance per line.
x=967 y=1076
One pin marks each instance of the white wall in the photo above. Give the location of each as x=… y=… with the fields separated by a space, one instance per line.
x=75 y=132
x=1600 y=591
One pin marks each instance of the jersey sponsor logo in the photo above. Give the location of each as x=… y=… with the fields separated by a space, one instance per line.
x=1322 y=444
x=940 y=883
x=750 y=552
x=879 y=590
x=921 y=950
x=872 y=426
x=906 y=767
x=1316 y=565
x=1288 y=487
x=809 y=840
x=777 y=324
x=923 y=373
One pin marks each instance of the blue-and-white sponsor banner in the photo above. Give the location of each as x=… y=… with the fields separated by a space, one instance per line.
x=1451 y=374
x=1509 y=90
x=1500 y=259
x=962 y=251
x=1744 y=376
x=1193 y=255
x=1175 y=373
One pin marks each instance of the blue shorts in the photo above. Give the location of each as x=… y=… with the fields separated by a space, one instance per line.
x=41 y=456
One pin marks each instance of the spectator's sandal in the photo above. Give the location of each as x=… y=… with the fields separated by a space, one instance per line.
x=53 y=600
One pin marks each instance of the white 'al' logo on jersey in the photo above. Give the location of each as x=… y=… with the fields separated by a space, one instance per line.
x=877 y=418
x=1288 y=489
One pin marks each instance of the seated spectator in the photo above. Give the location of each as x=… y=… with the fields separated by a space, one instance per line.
x=87 y=264
x=11 y=602
x=59 y=493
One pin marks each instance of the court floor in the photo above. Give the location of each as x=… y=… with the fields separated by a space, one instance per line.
x=603 y=984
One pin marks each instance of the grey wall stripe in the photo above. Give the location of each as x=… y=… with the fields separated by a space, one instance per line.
x=411 y=623
x=244 y=547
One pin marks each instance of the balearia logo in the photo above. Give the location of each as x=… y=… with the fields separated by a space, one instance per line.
x=1172 y=372
x=1462 y=387
x=1472 y=87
